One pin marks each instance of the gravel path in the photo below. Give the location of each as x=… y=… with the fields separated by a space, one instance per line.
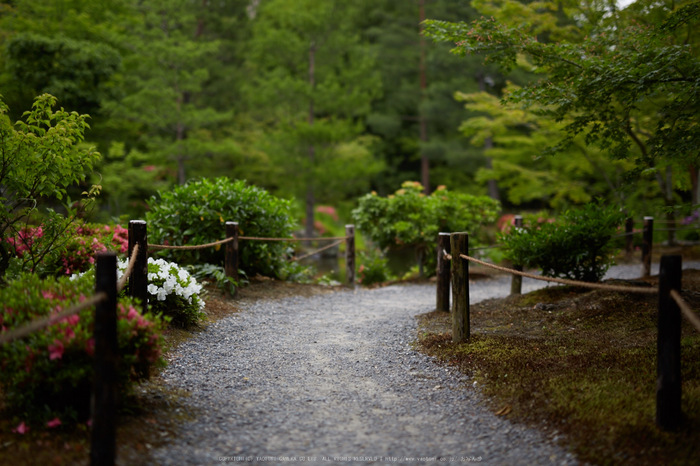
x=334 y=379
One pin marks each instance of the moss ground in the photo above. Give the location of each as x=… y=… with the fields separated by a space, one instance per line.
x=581 y=365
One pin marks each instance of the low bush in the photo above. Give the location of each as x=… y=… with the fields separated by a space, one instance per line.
x=195 y=213
x=373 y=268
x=577 y=246
x=71 y=251
x=409 y=218
x=48 y=374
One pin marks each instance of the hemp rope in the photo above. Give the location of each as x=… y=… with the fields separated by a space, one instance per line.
x=317 y=251
x=686 y=310
x=227 y=240
x=43 y=323
x=129 y=268
x=563 y=281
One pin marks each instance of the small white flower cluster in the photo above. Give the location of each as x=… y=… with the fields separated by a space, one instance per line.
x=174 y=280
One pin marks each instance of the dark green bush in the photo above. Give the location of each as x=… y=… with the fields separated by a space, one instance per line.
x=577 y=246
x=195 y=213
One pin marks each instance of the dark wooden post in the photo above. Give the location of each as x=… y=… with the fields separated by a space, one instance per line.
x=231 y=251
x=443 y=273
x=104 y=389
x=138 y=281
x=459 y=244
x=647 y=241
x=668 y=382
x=350 y=254
x=629 y=236
x=516 y=282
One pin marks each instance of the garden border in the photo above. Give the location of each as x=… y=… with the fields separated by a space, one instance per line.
x=671 y=308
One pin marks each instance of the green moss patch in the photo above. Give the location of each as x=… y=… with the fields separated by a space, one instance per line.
x=581 y=363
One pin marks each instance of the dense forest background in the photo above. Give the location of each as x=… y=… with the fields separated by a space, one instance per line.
x=325 y=100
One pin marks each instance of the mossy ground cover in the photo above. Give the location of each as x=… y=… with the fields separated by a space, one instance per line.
x=580 y=364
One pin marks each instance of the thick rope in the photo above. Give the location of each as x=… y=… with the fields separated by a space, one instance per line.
x=563 y=281
x=317 y=251
x=129 y=268
x=255 y=238
x=320 y=238
x=200 y=246
x=686 y=310
x=48 y=321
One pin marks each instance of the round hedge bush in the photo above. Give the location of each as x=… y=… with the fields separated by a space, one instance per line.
x=196 y=213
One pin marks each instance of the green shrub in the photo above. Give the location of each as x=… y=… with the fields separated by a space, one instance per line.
x=41 y=158
x=410 y=218
x=195 y=213
x=577 y=246
x=374 y=268
x=48 y=374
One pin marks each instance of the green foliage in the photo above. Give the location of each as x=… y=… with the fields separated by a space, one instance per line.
x=196 y=213
x=625 y=82
x=77 y=72
x=578 y=175
x=576 y=246
x=49 y=373
x=410 y=218
x=374 y=268
x=39 y=160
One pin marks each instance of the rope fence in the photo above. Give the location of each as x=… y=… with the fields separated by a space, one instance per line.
x=670 y=309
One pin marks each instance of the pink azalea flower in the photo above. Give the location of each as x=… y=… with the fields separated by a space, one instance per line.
x=47 y=294
x=22 y=428
x=56 y=350
x=149 y=168
x=55 y=422
x=133 y=313
x=90 y=346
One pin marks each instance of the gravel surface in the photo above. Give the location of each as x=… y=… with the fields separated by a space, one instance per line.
x=333 y=379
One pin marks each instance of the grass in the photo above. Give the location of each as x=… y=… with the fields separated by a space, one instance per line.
x=581 y=365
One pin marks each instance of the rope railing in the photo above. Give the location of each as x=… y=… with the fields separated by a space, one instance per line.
x=121 y=284
x=190 y=247
x=138 y=234
x=688 y=313
x=671 y=309
x=563 y=281
x=40 y=324
x=317 y=251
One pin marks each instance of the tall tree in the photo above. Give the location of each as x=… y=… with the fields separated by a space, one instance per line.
x=629 y=85
x=312 y=81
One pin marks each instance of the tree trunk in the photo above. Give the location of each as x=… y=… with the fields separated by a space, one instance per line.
x=488 y=144
x=310 y=197
x=424 y=162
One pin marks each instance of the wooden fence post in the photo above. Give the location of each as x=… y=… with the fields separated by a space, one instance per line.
x=629 y=236
x=459 y=244
x=350 y=254
x=104 y=389
x=668 y=383
x=231 y=251
x=647 y=241
x=138 y=281
x=516 y=282
x=443 y=273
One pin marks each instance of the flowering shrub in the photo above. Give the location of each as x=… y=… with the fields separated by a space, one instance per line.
x=172 y=291
x=410 y=218
x=76 y=248
x=47 y=375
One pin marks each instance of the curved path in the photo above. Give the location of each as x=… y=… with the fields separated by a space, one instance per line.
x=334 y=379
